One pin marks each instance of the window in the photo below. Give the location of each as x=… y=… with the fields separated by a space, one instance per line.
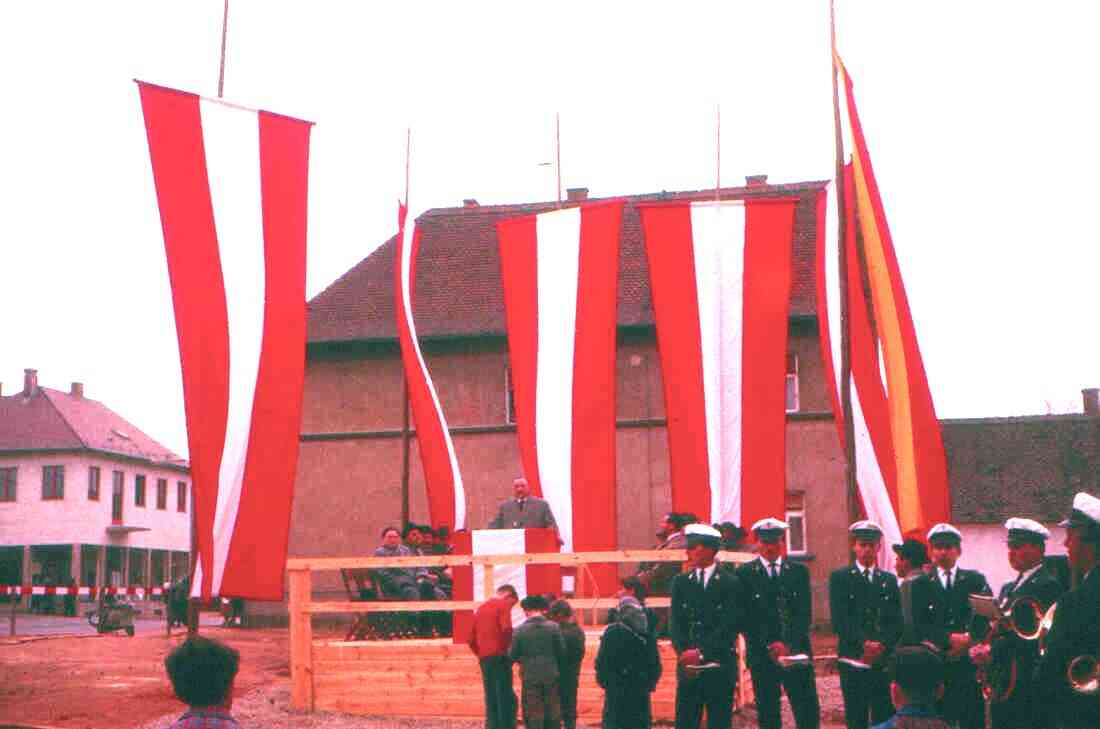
x=7 y=483
x=181 y=496
x=93 y=483
x=162 y=493
x=792 y=383
x=118 y=484
x=139 y=490
x=509 y=397
x=796 y=518
x=53 y=482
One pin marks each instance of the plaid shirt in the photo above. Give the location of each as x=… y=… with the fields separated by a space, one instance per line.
x=205 y=719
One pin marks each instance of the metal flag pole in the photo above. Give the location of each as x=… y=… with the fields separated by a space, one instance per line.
x=557 y=147
x=718 y=153
x=842 y=261
x=221 y=66
x=404 y=377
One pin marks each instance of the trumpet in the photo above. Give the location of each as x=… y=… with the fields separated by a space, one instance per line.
x=1083 y=674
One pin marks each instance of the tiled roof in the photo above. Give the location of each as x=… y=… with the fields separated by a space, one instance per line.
x=1024 y=466
x=458 y=288
x=56 y=420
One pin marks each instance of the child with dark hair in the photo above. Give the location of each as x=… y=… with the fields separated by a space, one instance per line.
x=570 y=669
x=917 y=686
x=202 y=672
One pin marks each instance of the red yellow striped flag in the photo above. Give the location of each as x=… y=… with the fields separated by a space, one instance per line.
x=922 y=496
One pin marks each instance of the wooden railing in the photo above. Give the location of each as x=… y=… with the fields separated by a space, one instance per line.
x=302 y=607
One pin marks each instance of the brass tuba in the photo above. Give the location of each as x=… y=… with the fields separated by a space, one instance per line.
x=1024 y=617
x=1083 y=674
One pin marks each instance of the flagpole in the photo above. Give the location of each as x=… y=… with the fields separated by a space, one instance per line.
x=851 y=487
x=718 y=153
x=404 y=376
x=557 y=148
x=221 y=65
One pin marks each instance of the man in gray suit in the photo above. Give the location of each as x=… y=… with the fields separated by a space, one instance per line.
x=539 y=649
x=524 y=511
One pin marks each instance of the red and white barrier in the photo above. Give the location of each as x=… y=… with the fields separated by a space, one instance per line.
x=133 y=591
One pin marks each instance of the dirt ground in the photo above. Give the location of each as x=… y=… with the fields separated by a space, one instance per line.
x=115 y=682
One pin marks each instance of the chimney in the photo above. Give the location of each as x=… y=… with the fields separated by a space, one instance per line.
x=1091 y=396
x=30 y=382
x=756 y=180
x=470 y=202
x=576 y=194
x=77 y=389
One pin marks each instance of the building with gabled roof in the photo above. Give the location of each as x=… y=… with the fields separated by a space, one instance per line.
x=86 y=495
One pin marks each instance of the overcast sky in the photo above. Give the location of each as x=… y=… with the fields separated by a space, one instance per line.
x=981 y=117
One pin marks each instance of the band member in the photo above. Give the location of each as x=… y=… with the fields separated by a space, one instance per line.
x=942 y=615
x=778 y=634
x=866 y=611
x=707 y=612
x=1007 y=660
x=1067 y=673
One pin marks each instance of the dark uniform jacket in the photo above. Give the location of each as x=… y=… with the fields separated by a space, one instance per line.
x=937 y=613
x=534 y=514
x=1076 y=632
x=779 y=609
x=538 y=647
x=863 y=610
x=1019 y=709
x=657 y=576
x=708 y=619
x=573 y=636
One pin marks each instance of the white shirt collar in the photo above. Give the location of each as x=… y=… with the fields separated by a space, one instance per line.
x=863 y=570
x=708 y=572
x=1026 y=574
x=942 y=574
x=766 y=563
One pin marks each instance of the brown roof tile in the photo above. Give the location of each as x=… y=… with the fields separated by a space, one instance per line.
x=55 y=420
x=458 y=288
x=1023 y=466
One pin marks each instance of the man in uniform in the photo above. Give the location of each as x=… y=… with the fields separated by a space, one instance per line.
x=707 y=610
x=777 y=592
x=1007 y=652
x=865 y=606
x=523 y=511
x=1076 y=629
x=942 y=616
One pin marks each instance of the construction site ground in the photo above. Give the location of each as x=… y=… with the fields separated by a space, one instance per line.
x=117 y=682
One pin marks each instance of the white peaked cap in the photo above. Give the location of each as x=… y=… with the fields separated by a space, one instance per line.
x=1018 y=524
x=770 y=524
x=702 y=530
x=865 y=525
x=943 y=528
x=1086 y=511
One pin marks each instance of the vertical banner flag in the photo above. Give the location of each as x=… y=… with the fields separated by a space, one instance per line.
x=873 y=449
x=446 y=496
x=231 y=185
x=559 y=270
x=720 y=274
x=919 y=461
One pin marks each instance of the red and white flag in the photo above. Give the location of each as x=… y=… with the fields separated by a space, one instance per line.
x=446 y=495
x=231 y=185
x=559 y=271
x=720 y=276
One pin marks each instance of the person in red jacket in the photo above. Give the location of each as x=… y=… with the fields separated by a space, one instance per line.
x=490 y=638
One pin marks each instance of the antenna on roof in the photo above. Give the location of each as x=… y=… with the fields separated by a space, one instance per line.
x=557 y=146
x=718 y=153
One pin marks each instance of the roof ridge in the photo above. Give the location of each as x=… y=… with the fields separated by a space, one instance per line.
x=46 y=391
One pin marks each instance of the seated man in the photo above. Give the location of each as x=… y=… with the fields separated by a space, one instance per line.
x=408 y=583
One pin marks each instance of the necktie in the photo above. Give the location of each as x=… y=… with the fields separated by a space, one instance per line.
x=949 y=580
x=521 y=504
x=772 y=567
x=699 y=577
x=867 y=575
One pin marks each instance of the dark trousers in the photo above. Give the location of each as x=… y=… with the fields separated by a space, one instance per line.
x=500 y=701
x=712 y=689
x=541 y=705
x=627 y=708
x=567 y=683
x=798 y=682
x=962 y=701
x=866 y=694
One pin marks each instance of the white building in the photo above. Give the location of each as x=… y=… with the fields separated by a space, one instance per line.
x=85 y=495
